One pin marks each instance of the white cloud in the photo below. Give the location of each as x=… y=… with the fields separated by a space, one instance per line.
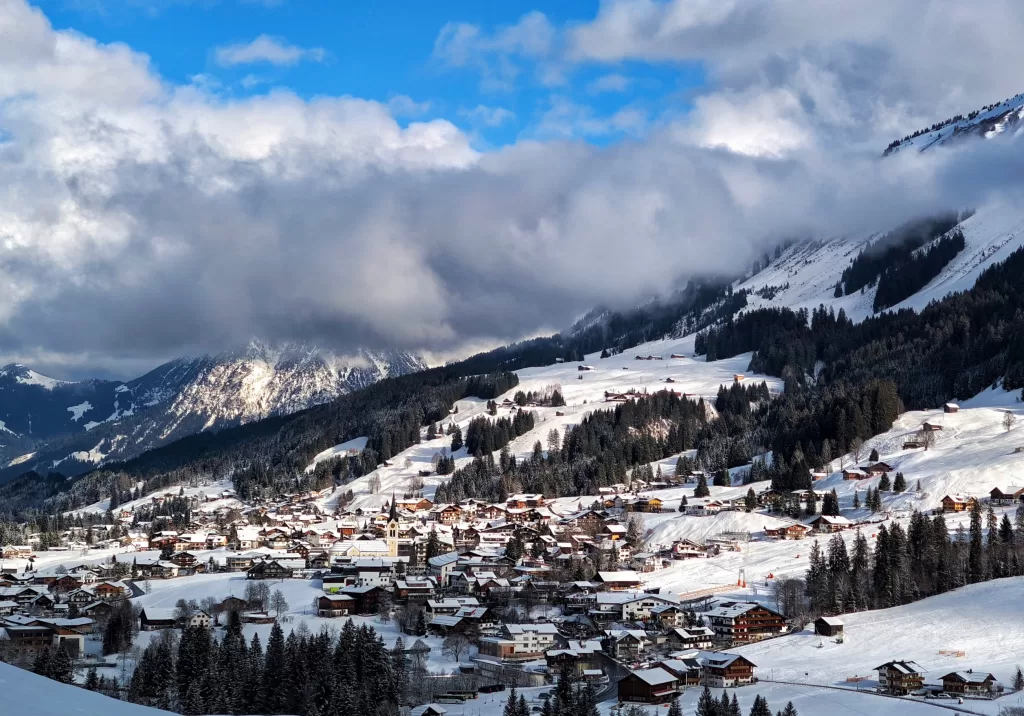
x=609 y=83
x=498 y=55
x=267 y=49
x=488 y=116
x=406 y=106
x=142 y=220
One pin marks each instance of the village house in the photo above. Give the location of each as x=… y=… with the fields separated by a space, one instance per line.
x=969 y=683
x=957 y=503
x=617 y=581
x=854 y=473
x=878 y=469
x=366 y=599
x=831 y=523
x=692 y=638
x=1007 y=496
x=626 y=645
x=577 y=656
x=648 y=686
x=787 y=532
x=687 y=670
x=899 y=678
x=334 y=605
x=722 y=671
x=520 y=642
x=152 y=619
x=744 y=622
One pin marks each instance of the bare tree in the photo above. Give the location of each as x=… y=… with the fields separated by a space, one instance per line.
x=374 y=484
x=1009 y=419
x=928 y=438
x=855 y=447
x=278 y=603
x=455 y=646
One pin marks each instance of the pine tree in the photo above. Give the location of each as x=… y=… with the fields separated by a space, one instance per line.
x=900 y=483
x=884 y=484
x=812 y=502
x=674 y=708
x=734 y=706
x=976 y=552
x=856 y=499
x=457 y=439
x=511 y=703
x=701 y=490
x=750 y=500
x=760 y=707
x=873 y=457
x=92 y=680
x=1018 y=680
x=790 y=710
x=42 y=663
x=706 y=704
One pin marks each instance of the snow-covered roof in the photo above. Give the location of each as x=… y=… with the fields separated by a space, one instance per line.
x=622 y=576
x=443 y=559
x=832 y=621
x=654 y=677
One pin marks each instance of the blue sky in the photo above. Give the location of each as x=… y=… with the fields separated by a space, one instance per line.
x=384 y=50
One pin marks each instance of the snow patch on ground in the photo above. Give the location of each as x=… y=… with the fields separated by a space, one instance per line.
x=77 y=411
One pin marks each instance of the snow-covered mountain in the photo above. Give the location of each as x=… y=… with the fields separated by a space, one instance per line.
x=71 y=426
x=989 y=121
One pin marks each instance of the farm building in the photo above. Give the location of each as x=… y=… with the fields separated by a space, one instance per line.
x=968 y=682
x=899 y=678
x=828 y=626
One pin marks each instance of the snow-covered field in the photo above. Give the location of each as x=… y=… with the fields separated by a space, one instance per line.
x=22 y=693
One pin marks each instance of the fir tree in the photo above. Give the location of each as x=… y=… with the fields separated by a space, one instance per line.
x=873 y=457
x=900 y=483
x=701 y=490
x=856 y=499
x=884 y=484
x=750 y=500
x=1018 y=680
x=707 y=705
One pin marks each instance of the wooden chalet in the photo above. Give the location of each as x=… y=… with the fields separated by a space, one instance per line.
x=367 y=599
x=617 y=581
x=334 y=605
x=722 y=671
x=831 y=523
x=687 y=671
x=957 y=503
x=854 y=473
x=951 y=408
x=931 y=427
x=878 y=469
x=970 y=682
x=151 y=619
x=1007 y=496
x=649 y=686
x=787 y=532
x=271 y=569
x=744 y=622
x=899 y=678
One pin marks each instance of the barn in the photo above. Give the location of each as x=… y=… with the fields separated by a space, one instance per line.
x=828 y=626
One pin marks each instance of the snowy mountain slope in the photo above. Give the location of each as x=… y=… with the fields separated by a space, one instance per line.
x=93 y=421
x=805 y=275
x=990 y=121
x=26 y=694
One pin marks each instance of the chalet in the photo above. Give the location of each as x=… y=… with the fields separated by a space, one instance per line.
x=520 y=642
x=334 y=605
x=577 y=656
x=649 y=686
x=831 y=523
x=744 y=622
x=828 y=626
x=271 y=569
x=366 y=599
x=787 y=532
x=646 y=562
x=957 y=503
x=417 y=590
x=968 y=682
x=1007 y=496
x=200 y=620
x=692 y=638
x=854 y=473
x=522 y=501
x=931 y=427
x=618 y=580
x=151 y=619
x=878 y=469
x=97 y=611
x=185 y=560
x=687 y=670
x=688 y=549
x=449 y=607
x=668 y=615
x=951 y=408
x=899 y=678
x=913 y=444
x=256 y=618
x=722 y=671
x=160 y=570
x=22 y=643
x=625 y=645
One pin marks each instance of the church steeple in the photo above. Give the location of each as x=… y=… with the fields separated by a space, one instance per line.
x=393 y=517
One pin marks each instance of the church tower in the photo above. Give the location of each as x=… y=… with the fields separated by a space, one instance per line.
x=392 y=528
